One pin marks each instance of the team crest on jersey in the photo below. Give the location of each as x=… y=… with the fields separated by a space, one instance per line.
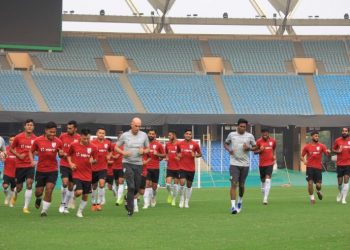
x=106 y=145
x=154 y=146
x=88 y=150
x=32 y=141
x=75 y=140
x=270 y=143
x=348 y=142
x=53 y=144
x=191 y=146
x=318 y=148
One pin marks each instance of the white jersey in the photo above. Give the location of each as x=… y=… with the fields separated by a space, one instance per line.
x=240 y=157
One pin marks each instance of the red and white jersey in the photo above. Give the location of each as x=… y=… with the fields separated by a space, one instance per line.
x=10 y=164
x=80 y=156
x=154 y=147
x=266 y=157
x=103 y=149
x=314 y=154
x=343 y=158
x=67 y=140
x=47 y=153
x=22 y=144
x=171 y=153
x=187 y=161
x=117 y=163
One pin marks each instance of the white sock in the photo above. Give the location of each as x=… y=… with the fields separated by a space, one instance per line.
x=182 y=191
x=175 y=191
x=345 y=191
x=240 y=199
x=135 y=202
x=114 y=190
x=67 y=198
x=9 y=194
x=312 y=197
x=120 y=191
x=263 y=188
x=188 y=194
x=154 y=193
x=63 y=193
x=82 y=205
x=233 y=203
x=267 y=188
x=168 y=187
x=94 y=196
x=147 y=196
x=101 y=194
x=27 y=197
x=6 y=192
x=46 y=206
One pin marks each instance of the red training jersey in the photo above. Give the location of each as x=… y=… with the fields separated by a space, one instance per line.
x=314 y=154
x=67 y=140
x=187 y=161
x=154 y=147
x=22 y=144
x=47 y=153
x=343 y=158
x=103 y=149
x=80 y=156
x=171 y=153
x=266 y=157
x=10 y=164
x=117 y=163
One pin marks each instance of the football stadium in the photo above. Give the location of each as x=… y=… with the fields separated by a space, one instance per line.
x=134 y=124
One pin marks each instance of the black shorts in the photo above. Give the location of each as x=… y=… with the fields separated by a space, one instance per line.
x=266 y=170
x=82 y=185
x=118 y=173
x=143 y=182
x=66 y=172
x=343 y=170
x=41 y=178
x=22 y=174
x=153 y=175
x=98 y=175
x=188 y=175
x=172 y=173
x=314 y=174
x=9 y=181
x=110 y=179
x=238 y=174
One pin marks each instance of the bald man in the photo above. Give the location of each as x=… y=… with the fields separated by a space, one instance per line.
x=136 y=144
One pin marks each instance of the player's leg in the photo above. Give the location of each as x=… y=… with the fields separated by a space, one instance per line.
x=168 y=186
x=268 y=174
x=130 y=181
x=40 y=182
x=340 y=177
x=189 y=181
x=318 y=182
x=139 y=185
x=7 y=189
x=120 y=190
x=175 y=189
x=182 y=188
x=310 y=184
x=262 y=179
x=64 y=187
x=345 y=189
x=148 y=193
x=242 y=178
x=155 y=179
x=141 y=193
x=101 y=188
x=234 y=177
x=12 y=191
x=49 y=187
x=94 y=194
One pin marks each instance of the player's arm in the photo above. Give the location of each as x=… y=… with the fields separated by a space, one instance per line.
x=326 y=151
x=197 y=152
x=69 y=158
x=13 y=150
x=302 y=157
x=160 y=153
x=337 y=149
x=31 y=153
x=227 y=146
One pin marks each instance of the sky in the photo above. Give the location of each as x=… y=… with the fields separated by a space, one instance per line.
x=207 y=8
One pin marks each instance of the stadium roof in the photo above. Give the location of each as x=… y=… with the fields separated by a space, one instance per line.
x=304 y=17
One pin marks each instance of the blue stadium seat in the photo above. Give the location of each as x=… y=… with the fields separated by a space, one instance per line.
x=83 y=92
x=191 y=94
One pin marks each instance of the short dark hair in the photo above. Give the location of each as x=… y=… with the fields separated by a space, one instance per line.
x=12 y=135
x=101 y=128
x=264 y=130
x=50 y=125
x=72 y=122
x=346 y=128
x=241 y=120
x=314 y=133
x=85 y=131
x=28 y=121
x=173 y=132
x=188 y=130
x=152 y=129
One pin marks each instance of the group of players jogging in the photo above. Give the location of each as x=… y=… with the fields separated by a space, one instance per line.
x=87 y=165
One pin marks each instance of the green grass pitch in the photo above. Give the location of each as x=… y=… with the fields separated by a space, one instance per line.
x=288 y=222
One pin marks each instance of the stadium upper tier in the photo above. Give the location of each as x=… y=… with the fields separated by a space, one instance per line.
x=334 y=93
x=83 y=92
x=332 y=53
x=253 y=94
x=167 y=55
x=165 y=93
x=254 y=56
x=15 y=93
x=78 y=53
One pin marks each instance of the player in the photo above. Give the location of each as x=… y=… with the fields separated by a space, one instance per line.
x=66 y=172
x=99 y=170
x=47 y=147
x=118 y=172
x=267 y=157
x=341 y=147
x=172 y=172
x=238 y=144
x=135 y=144
x=153 y=158
x=313 y=151
x=110 y=176
x=24 y=167
x=9 y=178
x=187 y=150
x=81 y=156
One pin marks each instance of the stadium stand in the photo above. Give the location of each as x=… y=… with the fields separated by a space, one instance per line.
x=177 y=93
x=331 y=53
x=78 y=53
x=15 y=94
x=254 y=56
x=268 y=94
x=334 y=94
x=83 y=92
x=159 y=55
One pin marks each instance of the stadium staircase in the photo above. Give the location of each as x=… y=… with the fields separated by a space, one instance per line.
x=225 y=99
x=314 y=97
x=3 y=63
x=35 y=91
x=124 y=81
